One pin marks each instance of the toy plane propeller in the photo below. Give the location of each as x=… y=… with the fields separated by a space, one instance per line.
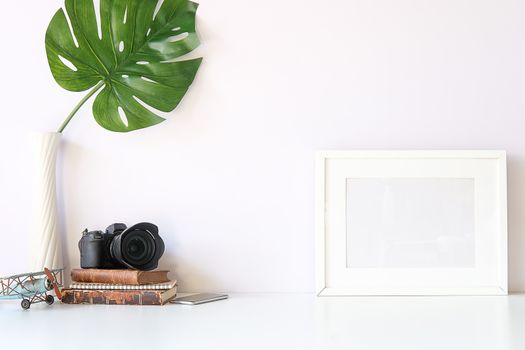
x=32 y=287
x=53 y=281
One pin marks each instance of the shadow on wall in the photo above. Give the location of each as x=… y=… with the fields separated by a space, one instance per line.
x=66 y=258
x=189 y=277
x=516 y=220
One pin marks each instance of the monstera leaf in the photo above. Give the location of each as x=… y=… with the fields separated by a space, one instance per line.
x=129 y=50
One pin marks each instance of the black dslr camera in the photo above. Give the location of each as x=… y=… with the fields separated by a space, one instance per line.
x=138 y=247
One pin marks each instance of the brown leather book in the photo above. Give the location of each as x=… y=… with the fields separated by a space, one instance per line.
x=133 y=277
x=111 y=297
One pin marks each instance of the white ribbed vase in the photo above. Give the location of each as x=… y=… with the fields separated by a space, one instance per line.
x=46 y=247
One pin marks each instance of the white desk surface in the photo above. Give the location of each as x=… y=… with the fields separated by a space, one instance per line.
x=280 y=321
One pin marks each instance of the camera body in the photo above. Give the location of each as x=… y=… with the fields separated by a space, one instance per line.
x=137 y=247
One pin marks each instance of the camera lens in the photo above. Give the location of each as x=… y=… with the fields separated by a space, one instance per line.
x=138 y=247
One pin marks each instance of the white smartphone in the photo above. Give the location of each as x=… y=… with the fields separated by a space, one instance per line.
x=196 y=299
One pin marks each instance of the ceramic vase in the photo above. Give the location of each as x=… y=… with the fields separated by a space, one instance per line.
x=46 y=250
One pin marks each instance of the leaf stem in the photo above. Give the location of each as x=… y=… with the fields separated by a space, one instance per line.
x=77 y=107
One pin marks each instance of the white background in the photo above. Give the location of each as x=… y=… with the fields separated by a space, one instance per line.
x=229 y=178
x=410 y=223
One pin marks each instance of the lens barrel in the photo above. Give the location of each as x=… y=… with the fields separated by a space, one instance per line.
x=138 y=247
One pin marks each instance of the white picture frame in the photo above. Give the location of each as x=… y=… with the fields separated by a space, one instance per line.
x=456 y=256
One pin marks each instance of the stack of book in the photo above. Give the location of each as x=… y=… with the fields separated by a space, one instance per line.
x=122 y=287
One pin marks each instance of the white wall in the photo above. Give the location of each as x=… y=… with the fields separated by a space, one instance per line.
x=229 y=177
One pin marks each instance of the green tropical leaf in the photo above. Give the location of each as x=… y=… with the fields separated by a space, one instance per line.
x=129 y=50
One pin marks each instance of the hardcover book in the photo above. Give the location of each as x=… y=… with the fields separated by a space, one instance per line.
x=132 y=277
x=112 y=297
